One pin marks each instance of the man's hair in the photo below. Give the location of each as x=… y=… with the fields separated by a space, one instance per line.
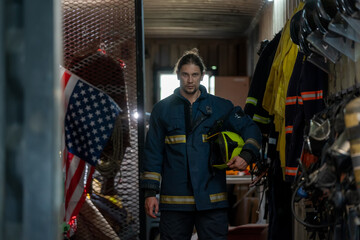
x=190 y=57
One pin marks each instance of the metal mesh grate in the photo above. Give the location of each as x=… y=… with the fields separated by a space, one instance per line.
x=99 y=46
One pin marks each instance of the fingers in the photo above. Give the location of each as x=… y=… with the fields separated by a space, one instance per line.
x=156 y=209
x=151 y=206
x=149 y=211
x=242 y=164
x=237 y=163
x=232 y=164
x=231 y=161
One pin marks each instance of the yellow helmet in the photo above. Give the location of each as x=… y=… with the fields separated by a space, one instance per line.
x=224 y=146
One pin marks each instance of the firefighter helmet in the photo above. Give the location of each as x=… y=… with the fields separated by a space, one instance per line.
x=224 y=146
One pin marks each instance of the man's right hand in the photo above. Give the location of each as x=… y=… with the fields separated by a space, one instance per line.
x=237 y=163
x=151 y=206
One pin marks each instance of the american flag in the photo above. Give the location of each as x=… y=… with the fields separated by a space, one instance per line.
x=90 y=116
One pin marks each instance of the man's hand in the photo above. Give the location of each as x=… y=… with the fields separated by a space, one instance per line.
x=237 y=163
x=151 y=206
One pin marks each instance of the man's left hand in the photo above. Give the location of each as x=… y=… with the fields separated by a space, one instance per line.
x=237 y=163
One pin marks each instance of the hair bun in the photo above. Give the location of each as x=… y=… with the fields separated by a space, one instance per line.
x=192 y=51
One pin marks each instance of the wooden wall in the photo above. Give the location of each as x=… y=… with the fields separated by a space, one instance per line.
x=229 y=55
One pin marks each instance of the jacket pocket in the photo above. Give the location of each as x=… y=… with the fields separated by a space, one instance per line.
x=174 y=133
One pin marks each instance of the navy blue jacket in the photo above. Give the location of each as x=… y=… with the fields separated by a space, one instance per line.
x=177 y=153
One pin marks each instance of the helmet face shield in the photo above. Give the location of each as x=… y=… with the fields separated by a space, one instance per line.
x=217 y=156
x=324 y=49
x=346 y=26
x=224 y=146
x=329 y=28
x=344 y=45
x=319 y=129
x=319 y=132
x=319 y=61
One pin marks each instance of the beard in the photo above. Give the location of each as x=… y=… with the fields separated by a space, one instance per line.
x=190 y=91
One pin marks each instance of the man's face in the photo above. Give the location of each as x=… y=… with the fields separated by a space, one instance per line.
x=190 y=77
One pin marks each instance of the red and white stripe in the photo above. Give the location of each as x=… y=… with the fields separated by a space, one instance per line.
x=78 y=173
x=312 y=95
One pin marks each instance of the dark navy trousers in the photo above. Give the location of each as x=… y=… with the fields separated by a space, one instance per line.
x=179 y=225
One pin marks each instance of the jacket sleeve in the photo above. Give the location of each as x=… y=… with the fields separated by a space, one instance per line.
x=242 y=124
x=153 y=155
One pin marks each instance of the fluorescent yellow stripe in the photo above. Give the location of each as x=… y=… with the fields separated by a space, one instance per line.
x=218 y=197
x=166 y=199
x=204 y=137
x=175 y=139
x=151 y=176
x=177 y=199
x=261 y=119
x=208 y=137
x=115 y=199
x=251 y=100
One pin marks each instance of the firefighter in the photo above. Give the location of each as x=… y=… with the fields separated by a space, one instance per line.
x=177 y=154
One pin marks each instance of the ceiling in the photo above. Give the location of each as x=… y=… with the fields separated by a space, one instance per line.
x=200 y=18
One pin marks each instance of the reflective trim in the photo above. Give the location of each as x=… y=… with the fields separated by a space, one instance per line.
x=291 y=171
x=151 y=176
x=289 y=129
x=272 y=141
x=166 y=199
x=300 y=100
x=175 y=139
x=115 y=199
x=312 y=95
x=211 y=136
x=261 y=119
x=253 y=142
x=177 y=199
x=251 y=100
x=218 y=197
x=204 y=137
x=290 y=100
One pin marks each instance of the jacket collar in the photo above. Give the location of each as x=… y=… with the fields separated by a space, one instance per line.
x=204 y=106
